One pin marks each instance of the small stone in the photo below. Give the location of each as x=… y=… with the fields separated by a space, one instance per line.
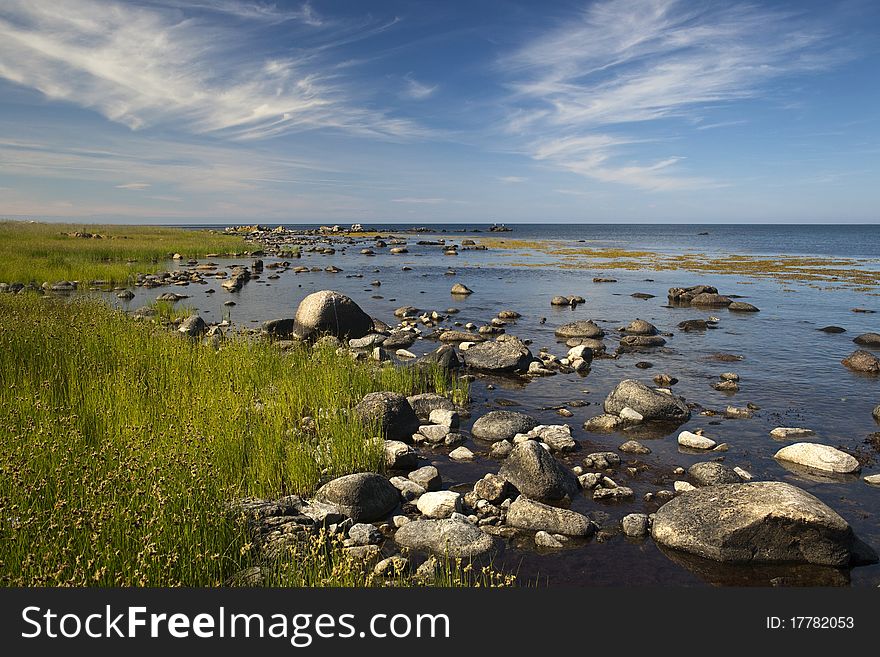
x=461 y=454
x=635 y=525
x=392 y=566
x=445 y=418
x=634 y=447
x=427 y=477
x=409 y=490
x=433 y=433
x=683 y=487
x=400 y=521
x=439 y=504
x=613 y=494
x=745 y=475
x=787 y=433
x=492 y=488
x=364 y=534
x=873 y=480
x=630 y=415
x=545 y=540
x=695 y=441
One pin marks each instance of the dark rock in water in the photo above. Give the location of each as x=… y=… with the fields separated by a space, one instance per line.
x=642 y=295
x=459 y=289
x=863 y=310
x=684 y=295
x=644 y=365
x=446 y=538
x=560 y=301
x=862 y=361
x=406 y=311
x=444 y=356
x=868 y=340
x=651 y=404
x=391 y=412
x=399 y=340
x=193 y=326
x=599 y=279
x=278 y=328
x=506 y=355
x=710 y=473
x=509 y=314
x=528 y=514
x=363 y=497
x=426 y=402
x=640 y=327
x=876 y=413
x=665 y=380
x=832 y=329
x=712 y=300
x=760 y=522
x=580 y=329
x=632 y=342
x=536 y=474
x=502 y=425
x=331 y=313
x=742 y=307
x=689 y=325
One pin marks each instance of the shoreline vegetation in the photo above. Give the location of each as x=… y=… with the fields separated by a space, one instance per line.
x=815 y=271
x=33 y=252
x=125 y=445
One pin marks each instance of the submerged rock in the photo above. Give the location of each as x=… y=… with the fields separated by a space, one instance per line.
x=330 y=313
x=650 y=403
x=640 y=327
x=786 y=433
x=759 y=522
x=868 y=340
x=742 y=307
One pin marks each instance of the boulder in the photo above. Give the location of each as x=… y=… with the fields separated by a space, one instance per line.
x=711 y=300
x=363 y=497
x=331 y=313
x=635 y=525
x=535 y=473
x=529 y=514
x=446 y=538
x=279 y=328
x=757 y=523
x=818 y=457
x=392 y=414
x=460 y=289
x=427 y=477
x=502 y=425
x=862 y=361
x=868 y=340
x=439 y=504
x=640 y=327
x=710 y=473
x=684 y=295
x=556 y=436
x=651 y=403
x=493 y=488
x=400 y=456
x=426 y=402
x=444 y=357
x=507 y=355
x=193 y=326
x=742 y=307
x=633 y=342
x=689 y=325
x=580 y=329
x=695 y=441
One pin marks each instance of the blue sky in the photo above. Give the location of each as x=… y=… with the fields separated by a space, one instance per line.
x=176 y=111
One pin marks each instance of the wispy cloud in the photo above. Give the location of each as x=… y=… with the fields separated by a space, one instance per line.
x=135 y=186
x=425 y=201
x=176 y=63
x=415 y=90
x=624 y=62
x=512 y=180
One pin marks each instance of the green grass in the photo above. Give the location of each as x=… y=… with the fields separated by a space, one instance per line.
x=122 y=444
x=38 y=252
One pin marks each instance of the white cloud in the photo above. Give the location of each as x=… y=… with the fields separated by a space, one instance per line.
x=622 y=62
x=144 y=65
x=416 y=90
x=512 y=180
x=136 y=186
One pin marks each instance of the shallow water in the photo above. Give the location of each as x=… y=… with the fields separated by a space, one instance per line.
x=789 y=369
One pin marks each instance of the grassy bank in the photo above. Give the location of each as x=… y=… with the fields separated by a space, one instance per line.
x=37 y=252
x=121 y=445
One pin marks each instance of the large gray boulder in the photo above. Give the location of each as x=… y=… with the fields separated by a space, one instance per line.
x=193 y=326
x=529 y=514
x=650 y=403
x=330 y=313
x=448 y=537
x=759 y=523
x=391 y=412
x=363 y=497
x=536 y=474
x=580 y=329
x=502 y=425
x=507 y=355
x=818 y=457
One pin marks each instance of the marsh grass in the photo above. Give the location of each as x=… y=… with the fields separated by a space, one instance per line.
x=122 y=444
x=40 y=252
